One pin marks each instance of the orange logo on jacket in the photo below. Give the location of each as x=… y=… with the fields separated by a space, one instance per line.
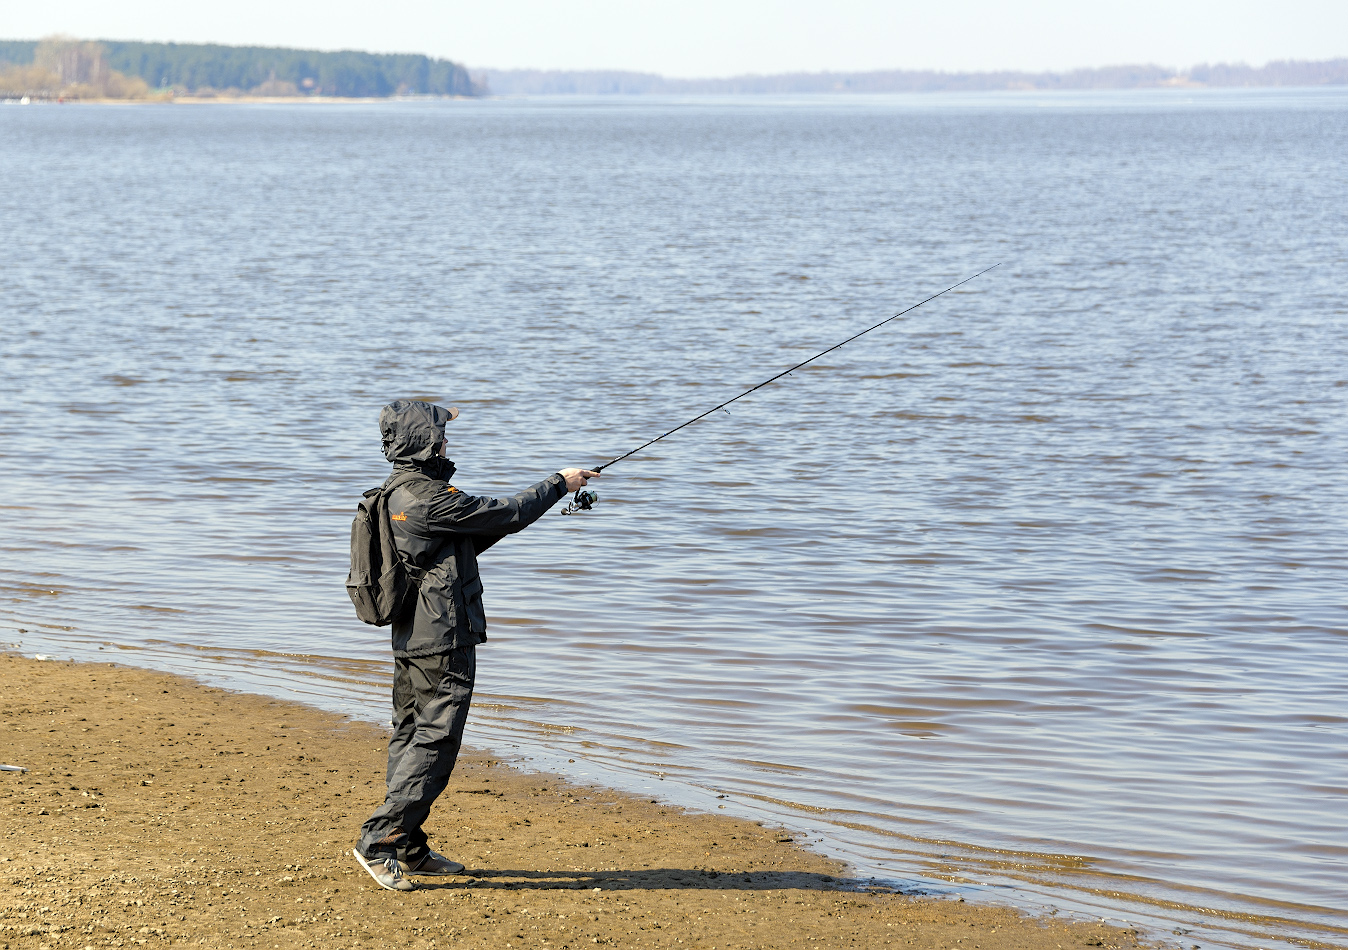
x=398 y=517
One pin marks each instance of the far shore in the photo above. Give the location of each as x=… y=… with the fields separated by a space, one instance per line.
x=157 y=811
x=205 y=100
x=320 y=99
x=1170 y=86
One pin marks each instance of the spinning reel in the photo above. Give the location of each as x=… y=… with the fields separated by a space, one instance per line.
x=583 y=501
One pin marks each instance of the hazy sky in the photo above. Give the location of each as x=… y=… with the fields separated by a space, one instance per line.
x=703 y=38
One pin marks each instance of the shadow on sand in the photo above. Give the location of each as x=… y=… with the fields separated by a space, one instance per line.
x=651 y=879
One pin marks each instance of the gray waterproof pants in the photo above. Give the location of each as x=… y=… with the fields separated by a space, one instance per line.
x=431 y=696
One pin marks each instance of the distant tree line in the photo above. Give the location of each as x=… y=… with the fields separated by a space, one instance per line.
x=61 y=68
x=1330 y=72
x=194 y=68
x=115 y=69
x=613 y=82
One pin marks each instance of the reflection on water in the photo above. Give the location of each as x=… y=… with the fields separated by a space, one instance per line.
x=1039 y=586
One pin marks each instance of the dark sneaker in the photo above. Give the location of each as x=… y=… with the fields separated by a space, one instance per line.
x=433 y=863
x=386 y=872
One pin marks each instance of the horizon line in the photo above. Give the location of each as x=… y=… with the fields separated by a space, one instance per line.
x=942 y=71
x=804 y=71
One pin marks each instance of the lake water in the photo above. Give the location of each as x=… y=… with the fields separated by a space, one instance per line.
x=1038 y=590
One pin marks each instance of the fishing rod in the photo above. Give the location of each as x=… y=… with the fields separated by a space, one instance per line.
x=585 y=500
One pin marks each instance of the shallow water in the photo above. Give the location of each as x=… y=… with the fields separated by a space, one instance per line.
x=1040 y=585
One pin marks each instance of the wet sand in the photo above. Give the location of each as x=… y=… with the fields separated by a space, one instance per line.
x=160 y=811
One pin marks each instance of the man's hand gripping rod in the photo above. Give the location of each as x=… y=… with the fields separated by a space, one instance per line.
x=585 y=500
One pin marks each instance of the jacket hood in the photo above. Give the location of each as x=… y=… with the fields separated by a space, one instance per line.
x=411 y=431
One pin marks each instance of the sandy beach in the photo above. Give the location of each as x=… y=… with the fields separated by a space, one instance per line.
x=160 y=811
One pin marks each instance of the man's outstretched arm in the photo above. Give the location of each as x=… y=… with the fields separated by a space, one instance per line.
x=456 y=513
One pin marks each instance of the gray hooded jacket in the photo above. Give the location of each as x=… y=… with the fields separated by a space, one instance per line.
x=440 y=530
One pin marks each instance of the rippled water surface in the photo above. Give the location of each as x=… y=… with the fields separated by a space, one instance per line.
x=1040 y=585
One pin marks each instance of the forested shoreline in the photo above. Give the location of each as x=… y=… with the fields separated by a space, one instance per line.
x=66 y=68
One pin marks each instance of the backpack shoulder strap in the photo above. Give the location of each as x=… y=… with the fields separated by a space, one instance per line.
x=379 y=507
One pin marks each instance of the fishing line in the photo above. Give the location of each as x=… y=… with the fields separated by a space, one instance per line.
x=585 y=500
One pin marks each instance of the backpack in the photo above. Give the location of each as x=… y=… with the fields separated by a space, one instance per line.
x=380 y=585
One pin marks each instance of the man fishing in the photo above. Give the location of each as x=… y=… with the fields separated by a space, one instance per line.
x=441 y=531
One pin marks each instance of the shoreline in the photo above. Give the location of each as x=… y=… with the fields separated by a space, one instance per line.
x=161 y=811
x=208 y=100
x=1106 y=93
